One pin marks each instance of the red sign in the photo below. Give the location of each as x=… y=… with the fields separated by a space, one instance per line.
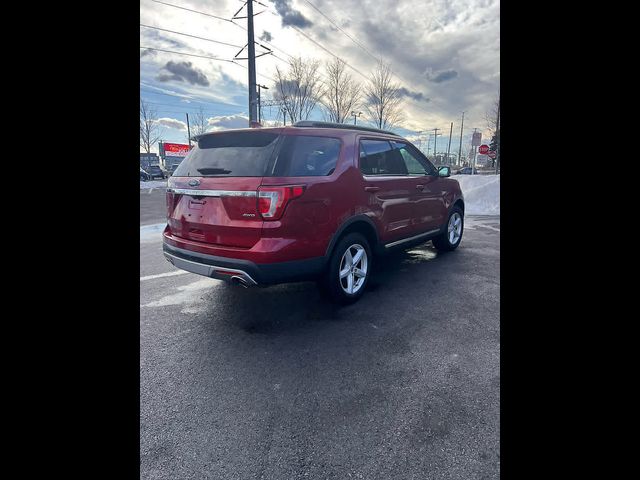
x=492 y=154
x=175 y=149
x=483 y=149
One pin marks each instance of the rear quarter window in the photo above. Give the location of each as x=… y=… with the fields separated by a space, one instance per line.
x=305 y=155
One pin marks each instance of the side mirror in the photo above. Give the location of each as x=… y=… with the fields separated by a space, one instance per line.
x=444 y=171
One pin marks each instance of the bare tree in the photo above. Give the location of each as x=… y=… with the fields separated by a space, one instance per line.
x=341 y=92
x=491 y=115
x=200 y=123
x=299 y=89
x=383 y=101
x=149 y=128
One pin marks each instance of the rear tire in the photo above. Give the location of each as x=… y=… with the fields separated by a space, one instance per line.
x=348 y=270
x=450 y=239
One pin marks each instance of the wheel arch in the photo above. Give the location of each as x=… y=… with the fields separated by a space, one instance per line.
x=459 y=203
x=361 y=224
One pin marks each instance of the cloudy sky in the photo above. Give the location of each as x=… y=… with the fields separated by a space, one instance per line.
x=444 y=54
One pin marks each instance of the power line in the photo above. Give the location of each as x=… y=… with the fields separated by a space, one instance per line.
x=191 y=106
x=268 y=43
x=187 y=54
x=188 y=98
x=259 y=74
x=192 y=36
x=226 y=20
x=195 y=11
x=181 y=108
x=339 y=28
x=329 y=52
x=356 y=42
x=168 y=94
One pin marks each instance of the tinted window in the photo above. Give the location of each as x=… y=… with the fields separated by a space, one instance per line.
x=302 y=156
x=233 y=154
x=378 y=158
x=415 y=163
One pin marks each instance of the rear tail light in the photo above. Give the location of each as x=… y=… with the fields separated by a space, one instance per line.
x=272 y=201
x=170 y=203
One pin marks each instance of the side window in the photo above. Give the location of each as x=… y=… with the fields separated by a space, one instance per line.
x=307 y=156
x=378 y=158
x=415 y=164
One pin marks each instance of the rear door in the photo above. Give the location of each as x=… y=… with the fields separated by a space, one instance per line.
x=212 y=195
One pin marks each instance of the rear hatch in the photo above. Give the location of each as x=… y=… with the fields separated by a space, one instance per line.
x=212 y=195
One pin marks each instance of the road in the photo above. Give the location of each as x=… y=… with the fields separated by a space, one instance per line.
x=275 y=383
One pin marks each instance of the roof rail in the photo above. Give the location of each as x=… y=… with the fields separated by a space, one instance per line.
x=308 y=123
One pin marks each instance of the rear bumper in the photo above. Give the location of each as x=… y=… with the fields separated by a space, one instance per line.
x=246 y=272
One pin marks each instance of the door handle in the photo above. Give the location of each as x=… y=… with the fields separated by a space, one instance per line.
x=371 y=189
x=419 y=187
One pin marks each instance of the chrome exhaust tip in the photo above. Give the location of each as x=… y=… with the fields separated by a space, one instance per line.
x=239 y=281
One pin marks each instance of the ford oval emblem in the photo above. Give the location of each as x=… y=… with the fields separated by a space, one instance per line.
x=194 y=183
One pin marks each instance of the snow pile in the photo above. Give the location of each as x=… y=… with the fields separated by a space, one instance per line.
x=153 y=184
x=193 y=296
x=151 y=233
x=481 y=193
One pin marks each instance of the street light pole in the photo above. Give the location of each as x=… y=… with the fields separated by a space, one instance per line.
x=460 y=150
x=355 y=116
x=498 y=139
x=188 y=131
x=475 y=152
x=449 y=147
x=260 y=87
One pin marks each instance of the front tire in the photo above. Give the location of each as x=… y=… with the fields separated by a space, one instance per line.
x=349 y=269
x=450 y=239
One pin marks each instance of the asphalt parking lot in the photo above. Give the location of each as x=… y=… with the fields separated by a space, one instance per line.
x=275 y=383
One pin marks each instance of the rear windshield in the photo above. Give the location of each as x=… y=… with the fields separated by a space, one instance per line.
x=231 y=154
x=253 y=154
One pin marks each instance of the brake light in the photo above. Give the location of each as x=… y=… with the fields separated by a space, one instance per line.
x=272 y=201
x=170 y=197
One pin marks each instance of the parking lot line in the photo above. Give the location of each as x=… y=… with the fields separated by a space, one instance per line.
x=161 y=275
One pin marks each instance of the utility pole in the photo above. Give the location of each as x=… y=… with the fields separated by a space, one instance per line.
x=435 y=141
x=449 y=147
x=461 y=127
x=498 y=138
x=188 y=131
x=252 y=66
x=475 y=151
x=260 y=87
x=355 y=115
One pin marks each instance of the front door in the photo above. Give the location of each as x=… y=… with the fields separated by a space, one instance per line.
x=429 y=208
x=390 y=189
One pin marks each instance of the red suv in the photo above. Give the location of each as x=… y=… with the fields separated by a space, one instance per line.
x=314 y=200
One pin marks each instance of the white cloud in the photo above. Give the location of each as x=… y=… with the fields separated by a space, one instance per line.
x=172 y=123
x=227 y=122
